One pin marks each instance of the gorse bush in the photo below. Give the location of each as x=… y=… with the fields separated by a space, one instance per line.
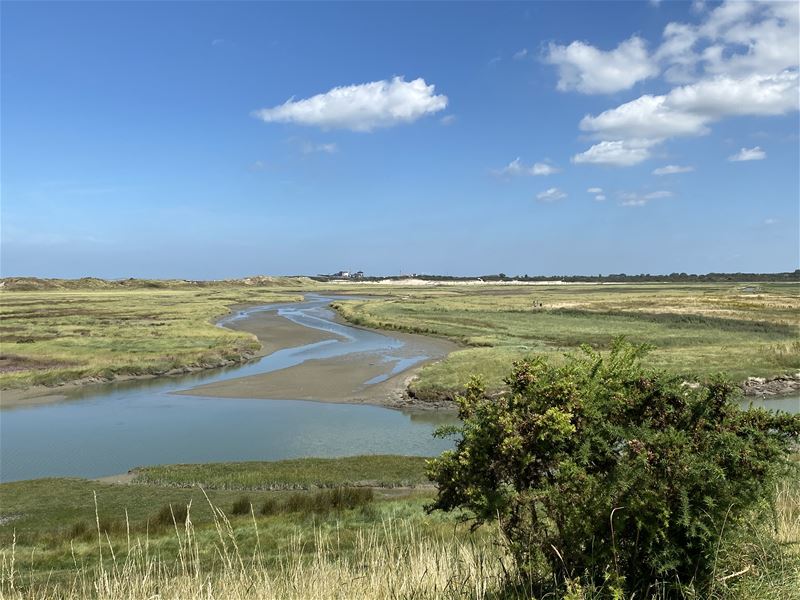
x=611 y=476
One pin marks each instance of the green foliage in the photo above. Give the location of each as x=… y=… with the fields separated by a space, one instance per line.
x=291 y=474
x=241 y=506
x=609 y=474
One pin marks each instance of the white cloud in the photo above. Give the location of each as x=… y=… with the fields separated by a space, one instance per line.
x=685 y=111
x=551 y=195
x=619 y=153
x=737 y=39
x=745 y=154
x=600 y=197
x=672 y=170
x=742 y=59
x=770 y=221
x=586 y=69
x=521 y=54
x=595 y=190
x=447 y=120
x=517 y=167
x=646 y=117
x=638 y=199
x=361 y=107
x=688 y=110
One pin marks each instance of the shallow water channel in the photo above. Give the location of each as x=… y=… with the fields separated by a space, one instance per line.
x=110 y=428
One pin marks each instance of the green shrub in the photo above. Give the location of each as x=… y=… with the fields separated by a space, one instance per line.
x=241 y=506
x=171 y=514
x=270 y=507
x=324 y=501
x=610 y=475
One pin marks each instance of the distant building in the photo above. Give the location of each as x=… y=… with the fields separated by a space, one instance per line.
x=349 y=275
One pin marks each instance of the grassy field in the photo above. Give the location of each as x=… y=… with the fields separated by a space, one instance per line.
x=65 y=331
x=303 y=473
x=52 y=524
x=62 y=543
x=56 y=335
x=696 y=329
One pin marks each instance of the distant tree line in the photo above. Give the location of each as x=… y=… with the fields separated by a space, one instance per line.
x=616 y=277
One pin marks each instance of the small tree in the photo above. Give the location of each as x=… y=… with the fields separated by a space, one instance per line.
x=607 y=472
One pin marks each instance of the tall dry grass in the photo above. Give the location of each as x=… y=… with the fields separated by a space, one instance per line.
x=392 y=560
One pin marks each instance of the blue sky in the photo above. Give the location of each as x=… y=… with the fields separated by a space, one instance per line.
x=212 y=140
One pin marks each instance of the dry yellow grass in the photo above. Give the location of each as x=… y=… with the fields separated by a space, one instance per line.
x=391 y=560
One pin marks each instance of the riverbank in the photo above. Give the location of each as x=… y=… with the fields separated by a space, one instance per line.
x=54 y=341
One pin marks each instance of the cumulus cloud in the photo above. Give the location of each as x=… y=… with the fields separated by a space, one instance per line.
x=638 y=199
x=748 y=154
x=600 y=197
x=619 y=153
x=688 y=110
x=737 y=38
x=362 y=107
x=770 y=221
x=595 y=190
x=740 y=60
x=447 y=120
x=672 y=170
x=551 y=195
x=586 y=69
x=517 y=167
x=521 y=54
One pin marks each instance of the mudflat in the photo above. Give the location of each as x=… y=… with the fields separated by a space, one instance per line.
x=341 y=378
x=275 y=332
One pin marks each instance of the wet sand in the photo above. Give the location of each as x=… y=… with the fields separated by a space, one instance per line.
x=339 y=379
x=276 y=332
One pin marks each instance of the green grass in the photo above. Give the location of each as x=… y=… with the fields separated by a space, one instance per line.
x=53 y=522
x=302 y=473
x=696 y=329
x=63 y=331
x=56 y=336
x=328 y=543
